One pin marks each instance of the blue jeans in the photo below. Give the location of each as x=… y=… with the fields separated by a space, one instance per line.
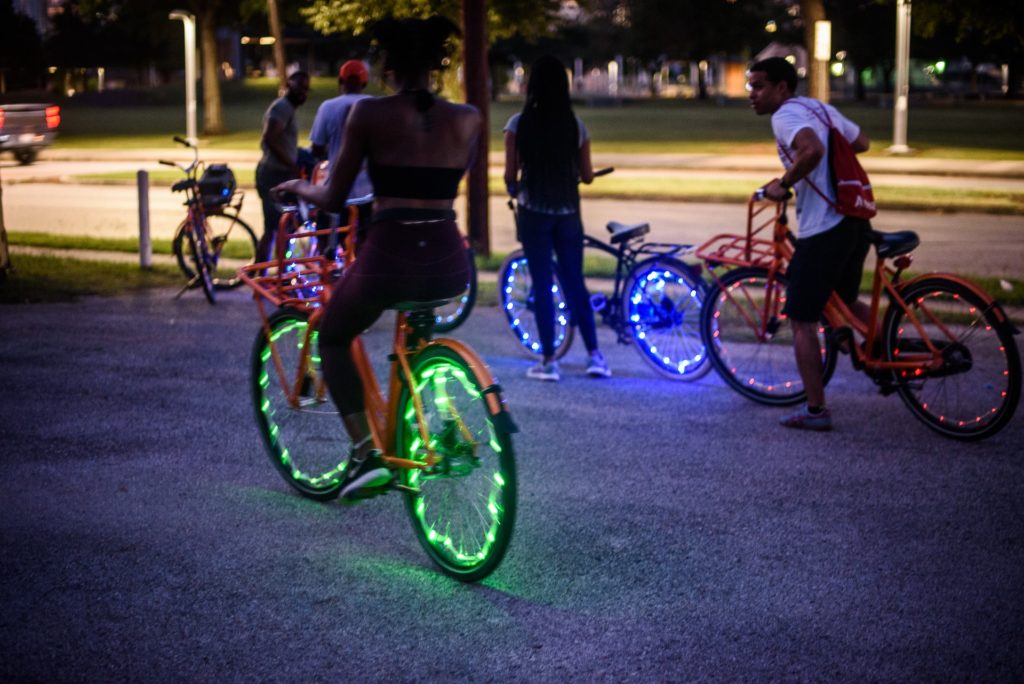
x=561 y=234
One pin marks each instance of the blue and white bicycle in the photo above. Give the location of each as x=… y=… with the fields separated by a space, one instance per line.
x=654 y=304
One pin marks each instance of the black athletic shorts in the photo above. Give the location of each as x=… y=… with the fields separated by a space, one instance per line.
x=823 y=263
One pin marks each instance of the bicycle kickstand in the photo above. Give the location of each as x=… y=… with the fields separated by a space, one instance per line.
x=188 y=286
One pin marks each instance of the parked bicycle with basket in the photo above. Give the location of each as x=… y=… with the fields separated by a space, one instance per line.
x=213 y=241
x=943 y=344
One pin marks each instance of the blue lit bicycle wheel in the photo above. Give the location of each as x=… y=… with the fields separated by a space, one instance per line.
x=515 y=292
x=661 y=304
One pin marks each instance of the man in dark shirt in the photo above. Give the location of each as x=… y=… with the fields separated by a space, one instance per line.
x=280 y=144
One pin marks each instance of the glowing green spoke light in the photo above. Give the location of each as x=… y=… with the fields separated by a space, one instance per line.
x=274 y=431
x=420 y=507
x=496 y=448
x=492 y=508
x=432 y=536
x=265 y=405
x=411 y=413
x=427 y=373
x=264 y=380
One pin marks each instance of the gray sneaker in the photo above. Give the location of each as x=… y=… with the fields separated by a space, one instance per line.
x=597 y=367
x=544 y=371
x=803 y=419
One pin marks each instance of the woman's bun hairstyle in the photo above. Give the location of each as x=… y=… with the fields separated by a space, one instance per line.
x=414 y=45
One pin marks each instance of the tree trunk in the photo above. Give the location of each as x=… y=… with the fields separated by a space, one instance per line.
x=274 y=15
x=213 y=113
x=817 y=77
x=474 y=57
x=5 y=256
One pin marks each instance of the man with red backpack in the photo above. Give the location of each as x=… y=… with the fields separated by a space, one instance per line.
x=815 y=143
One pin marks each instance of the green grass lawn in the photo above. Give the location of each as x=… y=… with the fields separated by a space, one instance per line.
x=966 y=130
x=58 y=279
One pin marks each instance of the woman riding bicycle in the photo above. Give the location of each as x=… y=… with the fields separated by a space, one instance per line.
x=547 y=153
x=417 y=147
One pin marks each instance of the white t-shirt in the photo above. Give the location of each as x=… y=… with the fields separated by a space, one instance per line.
x=813 y=214
x=328 y=129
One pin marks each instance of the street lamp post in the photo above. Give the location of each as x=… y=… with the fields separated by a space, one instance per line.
x=822 y=55
x=189 y=22
x=901 y=88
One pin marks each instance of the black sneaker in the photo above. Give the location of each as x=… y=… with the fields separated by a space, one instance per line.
x=369 y=473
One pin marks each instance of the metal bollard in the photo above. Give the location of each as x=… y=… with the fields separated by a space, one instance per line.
x=145 y=244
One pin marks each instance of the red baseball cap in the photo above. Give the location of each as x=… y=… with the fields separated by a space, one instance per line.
x=354 y=68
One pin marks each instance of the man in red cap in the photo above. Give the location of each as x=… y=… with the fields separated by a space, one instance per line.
x=329 y=129
x=327 y=134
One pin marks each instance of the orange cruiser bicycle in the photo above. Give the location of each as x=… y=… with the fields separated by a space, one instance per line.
x=443 y=425
x=943 y=344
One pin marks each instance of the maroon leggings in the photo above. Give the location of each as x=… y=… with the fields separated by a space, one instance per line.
x=402 y=260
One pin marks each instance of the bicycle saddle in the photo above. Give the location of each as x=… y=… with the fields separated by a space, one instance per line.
x=894 y=244
x=622 y=232
x=419 y=306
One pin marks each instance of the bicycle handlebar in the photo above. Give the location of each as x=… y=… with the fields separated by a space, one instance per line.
x=604 y=172
x=760 y=196
x=186 y=143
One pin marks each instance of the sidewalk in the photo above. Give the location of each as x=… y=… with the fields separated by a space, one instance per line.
x=696 y=162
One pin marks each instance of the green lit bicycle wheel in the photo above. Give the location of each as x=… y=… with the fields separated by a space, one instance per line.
x=463 y=508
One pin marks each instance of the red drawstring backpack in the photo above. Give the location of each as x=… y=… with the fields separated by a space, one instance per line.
x=849 y=180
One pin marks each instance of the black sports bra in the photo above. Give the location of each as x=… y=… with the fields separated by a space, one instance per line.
x=415 y=182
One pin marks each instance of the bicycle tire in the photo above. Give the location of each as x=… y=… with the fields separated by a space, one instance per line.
x=661 y=307
x=761 y=370
x=515 y=293
x=976 y=391
x=232 y=251
x=453 y=314
x=200 y=258
x=464 y=507
x=305 y=442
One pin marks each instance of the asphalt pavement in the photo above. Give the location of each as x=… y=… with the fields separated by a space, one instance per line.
x=667 y=531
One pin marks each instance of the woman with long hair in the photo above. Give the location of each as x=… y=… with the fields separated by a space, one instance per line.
x=417 y=147
x=547 y=154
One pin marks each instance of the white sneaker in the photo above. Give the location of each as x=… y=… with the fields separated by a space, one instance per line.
x=597 y=367
x=544 y=371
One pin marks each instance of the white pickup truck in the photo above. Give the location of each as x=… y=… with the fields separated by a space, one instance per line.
x=27 y=128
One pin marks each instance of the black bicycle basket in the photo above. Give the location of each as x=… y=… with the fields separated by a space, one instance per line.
x=217 y=185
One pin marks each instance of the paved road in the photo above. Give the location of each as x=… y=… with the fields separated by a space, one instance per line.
x=667 y=531
x=961 y=242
